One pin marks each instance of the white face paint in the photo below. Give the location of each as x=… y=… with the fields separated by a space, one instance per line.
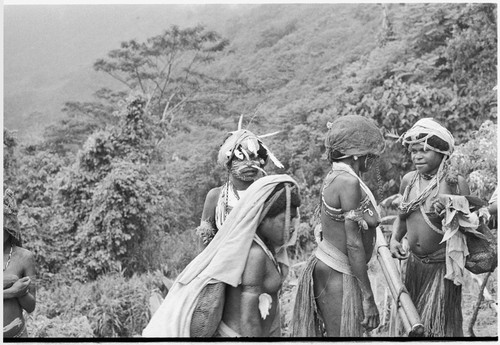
x=246 y=164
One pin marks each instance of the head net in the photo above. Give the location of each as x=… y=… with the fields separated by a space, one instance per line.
x=354 y=135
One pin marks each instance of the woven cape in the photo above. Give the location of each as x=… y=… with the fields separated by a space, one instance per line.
x=223 y=260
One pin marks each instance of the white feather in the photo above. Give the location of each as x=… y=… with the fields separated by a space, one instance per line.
x=272 y=157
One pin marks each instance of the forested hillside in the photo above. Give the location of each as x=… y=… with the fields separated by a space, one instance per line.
x=116 y=185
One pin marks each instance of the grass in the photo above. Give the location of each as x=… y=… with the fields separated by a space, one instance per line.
x=117 y=306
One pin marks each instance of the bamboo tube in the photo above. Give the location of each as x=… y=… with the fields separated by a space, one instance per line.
x=406 y=309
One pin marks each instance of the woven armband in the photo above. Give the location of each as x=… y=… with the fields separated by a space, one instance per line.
x=206 y=231
x=356 y=216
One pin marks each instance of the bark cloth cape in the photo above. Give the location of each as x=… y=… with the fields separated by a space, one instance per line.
x=223 y=260
x=350 y=135
x=434 y=281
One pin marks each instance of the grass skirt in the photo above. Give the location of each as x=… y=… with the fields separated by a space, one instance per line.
x=438 y=300
x=307 y=320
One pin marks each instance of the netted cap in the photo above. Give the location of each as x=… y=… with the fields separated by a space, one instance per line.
x=425 y=129
x=354 y=135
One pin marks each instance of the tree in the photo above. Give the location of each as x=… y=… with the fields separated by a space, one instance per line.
x=9 y=157
x=83 y=118
x=165 y=67
x=111 y=203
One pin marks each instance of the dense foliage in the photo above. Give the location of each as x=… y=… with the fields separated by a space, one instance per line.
x=120 y=183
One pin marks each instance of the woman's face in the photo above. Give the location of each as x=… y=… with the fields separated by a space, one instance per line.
x=426 y=161
x=246 y=164
x=273 y=229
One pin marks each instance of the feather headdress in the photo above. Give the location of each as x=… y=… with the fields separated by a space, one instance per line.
x=242 y=142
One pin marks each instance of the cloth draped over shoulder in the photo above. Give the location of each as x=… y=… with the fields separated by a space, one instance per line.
x=223 y=260
x=354 y=135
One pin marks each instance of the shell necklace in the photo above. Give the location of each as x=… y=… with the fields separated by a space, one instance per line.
x=10 y=257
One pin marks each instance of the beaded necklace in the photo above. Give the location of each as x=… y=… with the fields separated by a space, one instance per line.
x=10 y=257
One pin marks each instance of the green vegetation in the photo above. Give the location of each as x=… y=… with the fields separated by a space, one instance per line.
x=115 y=190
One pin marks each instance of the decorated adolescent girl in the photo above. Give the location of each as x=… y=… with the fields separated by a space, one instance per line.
x=244 y=156
x=334 y=295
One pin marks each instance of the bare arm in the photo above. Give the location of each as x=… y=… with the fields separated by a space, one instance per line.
x=28 y=301
x=350 y=197
x=207 y=227
x=18 y=289
x=208 y=213
x=399 y=228
x=251 y=281
x=9 y=280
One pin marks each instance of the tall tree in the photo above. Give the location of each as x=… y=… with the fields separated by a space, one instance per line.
x=165 y=68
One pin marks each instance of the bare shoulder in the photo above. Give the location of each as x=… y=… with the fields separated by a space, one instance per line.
x=24 y=254
x=405 y=181
x=24 y=261
x=213 y=195
x=345 y=182
x=210 y=203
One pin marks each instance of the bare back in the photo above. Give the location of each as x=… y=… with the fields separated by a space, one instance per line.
x=344 y=193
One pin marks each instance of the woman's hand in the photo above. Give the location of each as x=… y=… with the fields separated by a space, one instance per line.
x=9 y=280
x=397 y=250
x=20 y=287
x=372 y=318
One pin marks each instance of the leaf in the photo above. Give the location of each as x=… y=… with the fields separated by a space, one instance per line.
x=448 y=234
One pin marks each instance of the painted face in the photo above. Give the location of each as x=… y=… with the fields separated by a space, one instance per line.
x=426 y=161
x=246 y=163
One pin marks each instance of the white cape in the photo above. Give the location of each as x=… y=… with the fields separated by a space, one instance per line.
x=223 y=260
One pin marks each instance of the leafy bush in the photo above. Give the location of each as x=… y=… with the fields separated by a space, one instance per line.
x=111 y=306
x=112 y=201
x=476 y=160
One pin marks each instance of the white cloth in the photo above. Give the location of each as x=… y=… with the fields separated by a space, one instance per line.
x=223 y=260
x=429 y=128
